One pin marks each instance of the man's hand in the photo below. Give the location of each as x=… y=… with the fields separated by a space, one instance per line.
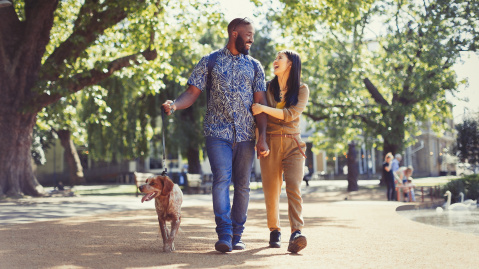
x=169 y=107
x=262 y=149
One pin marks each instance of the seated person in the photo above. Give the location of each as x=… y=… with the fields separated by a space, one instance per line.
x=409 y=189
x=401 y=177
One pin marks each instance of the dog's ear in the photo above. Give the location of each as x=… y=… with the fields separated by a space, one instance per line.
x=167 y=185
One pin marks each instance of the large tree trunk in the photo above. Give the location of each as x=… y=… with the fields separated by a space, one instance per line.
x=393 y=137
x=71 y=154
x=353 y=168
x=22 y=45
x=16 y=173
x=194 y=165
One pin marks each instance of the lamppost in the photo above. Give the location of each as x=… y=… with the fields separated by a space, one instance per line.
x=5 y=3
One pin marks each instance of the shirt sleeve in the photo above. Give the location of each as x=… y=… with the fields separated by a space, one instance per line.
x=295 y=111
x=259 y=85
x=199 y=75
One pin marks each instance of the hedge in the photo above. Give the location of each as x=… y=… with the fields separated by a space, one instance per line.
x=469 y=185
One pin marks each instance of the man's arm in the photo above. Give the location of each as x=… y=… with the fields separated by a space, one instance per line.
x=185 y=100
x=261 y=121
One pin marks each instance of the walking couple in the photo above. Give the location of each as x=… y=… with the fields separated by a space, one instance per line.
x=238 y=102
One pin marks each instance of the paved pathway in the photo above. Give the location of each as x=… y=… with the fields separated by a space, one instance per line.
x=356 y=230
x=48 y=208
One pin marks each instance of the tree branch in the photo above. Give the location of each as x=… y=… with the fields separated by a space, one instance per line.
x=92 y=77
x=84 y=34
x=314 y=117
x=35 y=35
x=377 y=96
x=366 y=120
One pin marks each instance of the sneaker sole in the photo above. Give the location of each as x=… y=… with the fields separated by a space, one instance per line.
x=239 y=247
x=297 y=245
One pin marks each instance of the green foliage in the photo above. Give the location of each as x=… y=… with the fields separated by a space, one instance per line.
x=42 y=140
x=469 y=185
x=467 y=141
x=117 y=118
x=382 y=84
x=264 y=50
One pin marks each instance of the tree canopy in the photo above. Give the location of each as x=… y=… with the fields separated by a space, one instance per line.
x=376 y=68
x=58 y=48
x=379 y=68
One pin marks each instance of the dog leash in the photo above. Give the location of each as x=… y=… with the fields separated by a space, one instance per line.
x=165 y=171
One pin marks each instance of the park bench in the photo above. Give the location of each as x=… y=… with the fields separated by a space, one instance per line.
x=140 y=179
x=197 y=183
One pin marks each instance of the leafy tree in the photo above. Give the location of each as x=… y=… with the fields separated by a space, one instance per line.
x=467 y=142
x=59 y=120
x=119 y=115
x=50 y=49
x=386 y=92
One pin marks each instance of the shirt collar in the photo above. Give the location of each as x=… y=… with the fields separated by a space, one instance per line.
x=227 y=52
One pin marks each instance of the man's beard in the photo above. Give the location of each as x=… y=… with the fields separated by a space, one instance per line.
x=241 y=46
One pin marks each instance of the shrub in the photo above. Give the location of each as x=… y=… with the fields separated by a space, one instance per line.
x=469 y=185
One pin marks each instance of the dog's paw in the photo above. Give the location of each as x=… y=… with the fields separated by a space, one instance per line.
x=169 y=248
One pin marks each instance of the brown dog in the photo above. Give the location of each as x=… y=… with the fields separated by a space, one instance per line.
x=168 y=199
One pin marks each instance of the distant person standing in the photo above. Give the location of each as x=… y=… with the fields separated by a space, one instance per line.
x=395 y=162
x=389 y=176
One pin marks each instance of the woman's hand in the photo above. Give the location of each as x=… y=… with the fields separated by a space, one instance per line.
x=257 y=109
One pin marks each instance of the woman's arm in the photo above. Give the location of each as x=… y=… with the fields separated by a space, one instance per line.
x=274 y=112
x=286 y=114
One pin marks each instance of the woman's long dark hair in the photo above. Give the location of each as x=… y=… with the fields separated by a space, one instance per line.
x=293 y=82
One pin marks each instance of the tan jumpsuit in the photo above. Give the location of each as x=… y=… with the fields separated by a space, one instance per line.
x=285 y=158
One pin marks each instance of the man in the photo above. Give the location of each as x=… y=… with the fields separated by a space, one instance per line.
x=395 y=162
x=229 y=127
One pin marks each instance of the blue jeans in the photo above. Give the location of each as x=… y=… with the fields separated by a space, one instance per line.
x=230 y=162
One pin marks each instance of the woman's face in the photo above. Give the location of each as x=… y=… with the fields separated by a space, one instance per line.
x=281 y=64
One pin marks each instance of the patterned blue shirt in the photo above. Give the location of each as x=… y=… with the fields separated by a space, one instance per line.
x=234 y=81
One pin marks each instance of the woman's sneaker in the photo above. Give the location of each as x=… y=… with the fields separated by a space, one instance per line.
x=297 y=242
x=275 y=239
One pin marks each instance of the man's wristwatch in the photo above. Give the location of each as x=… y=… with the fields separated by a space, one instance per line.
x=172 y=110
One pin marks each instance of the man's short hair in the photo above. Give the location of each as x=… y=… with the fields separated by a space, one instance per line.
x=234 y=24
x=398 y=156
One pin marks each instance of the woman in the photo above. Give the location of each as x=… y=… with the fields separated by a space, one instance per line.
x=287 y=98
x=389 y=176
